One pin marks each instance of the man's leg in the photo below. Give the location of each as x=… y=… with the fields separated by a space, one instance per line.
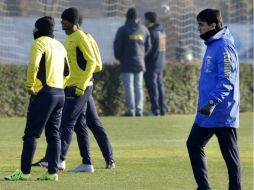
x=73 y=107
x=39 y=111
x=129 y=92
x=139 y=95
x=196 y=142
x=227 y=138
x=152 y=89
x=99 y=132
x=83 y=138
x=53 y=135
x=162 y=96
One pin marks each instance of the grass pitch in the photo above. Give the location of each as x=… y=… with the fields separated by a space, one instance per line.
x=150 y=154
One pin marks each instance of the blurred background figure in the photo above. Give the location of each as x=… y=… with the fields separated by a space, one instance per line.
x=155 y=61
x=131 y=44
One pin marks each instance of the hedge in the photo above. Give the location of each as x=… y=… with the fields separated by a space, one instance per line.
x=180 y=86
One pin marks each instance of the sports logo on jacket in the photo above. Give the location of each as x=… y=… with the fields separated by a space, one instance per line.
x=208 y=64
x=162 y=41
x=227 y=64
x=136 y=37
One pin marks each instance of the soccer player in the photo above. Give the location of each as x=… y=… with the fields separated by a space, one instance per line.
x=46 y=73
x=79 y=110
x=218 y=102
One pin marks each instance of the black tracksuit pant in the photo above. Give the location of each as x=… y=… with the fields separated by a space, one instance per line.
x=92 y=121
x=155 y=88
x=44 y=111
x=227 y=139
x=78 y=114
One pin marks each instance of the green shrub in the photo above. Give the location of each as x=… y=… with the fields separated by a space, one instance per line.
x=246 y=87
x=13 y=97
x=180 y=85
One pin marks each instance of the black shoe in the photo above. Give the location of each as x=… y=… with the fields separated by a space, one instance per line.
x=41 y=163
x=127 y=115
x=139 y=114
x=110 y=164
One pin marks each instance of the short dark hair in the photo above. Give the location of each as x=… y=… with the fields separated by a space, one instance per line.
x=151 y=16
x=211 y=16
x=131 y=14
x=45 y=25
x=71 y=15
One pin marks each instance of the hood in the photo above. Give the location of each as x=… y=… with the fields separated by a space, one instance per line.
x=223 y=33
x=132 y=24
x=157 y=27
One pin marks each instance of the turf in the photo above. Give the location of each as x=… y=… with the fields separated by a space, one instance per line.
x=150 y=153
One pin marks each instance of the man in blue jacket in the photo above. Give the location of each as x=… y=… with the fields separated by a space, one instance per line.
x=131 y=44
x=218 y=102
x=154 y=62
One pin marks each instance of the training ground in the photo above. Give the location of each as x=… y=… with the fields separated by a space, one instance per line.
x=150 y=154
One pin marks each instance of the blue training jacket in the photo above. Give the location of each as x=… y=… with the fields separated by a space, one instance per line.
x=131 y=44
x=219 y=81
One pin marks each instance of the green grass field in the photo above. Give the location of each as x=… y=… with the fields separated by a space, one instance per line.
x=150 y=153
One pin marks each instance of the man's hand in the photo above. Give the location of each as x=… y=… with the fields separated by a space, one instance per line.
x=207 y=109
x=31 y=91
x=79 y=92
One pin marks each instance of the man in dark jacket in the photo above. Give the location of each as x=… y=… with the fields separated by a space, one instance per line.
x=154 y=62
x=132 y=43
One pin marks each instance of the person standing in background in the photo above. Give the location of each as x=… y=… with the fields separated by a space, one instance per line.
x=155 y=61
x=131 y=44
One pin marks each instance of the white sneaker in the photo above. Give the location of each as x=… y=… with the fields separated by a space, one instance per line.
x=83 y=168
x=61 y=165
x=110 y=164
x=44 y=164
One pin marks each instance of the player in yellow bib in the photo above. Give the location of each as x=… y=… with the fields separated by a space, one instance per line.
x=47 y=71
x=79 y=110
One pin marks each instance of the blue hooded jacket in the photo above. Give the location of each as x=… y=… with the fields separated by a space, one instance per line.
x=219 y=81
x=131 y=44
x=155 y=59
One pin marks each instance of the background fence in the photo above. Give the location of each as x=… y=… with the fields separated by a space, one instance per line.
x=103 y=17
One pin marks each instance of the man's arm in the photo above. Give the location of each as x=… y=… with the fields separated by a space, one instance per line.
x=36 y=52
x=118 y=44
x=148 y=44
x=66 y=73
x=85 y=46
x=227 y=65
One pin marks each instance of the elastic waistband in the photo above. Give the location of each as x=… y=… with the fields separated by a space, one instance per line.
x=52 y=90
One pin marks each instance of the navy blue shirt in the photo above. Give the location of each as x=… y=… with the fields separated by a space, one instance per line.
x=131 y=44
x=155 y=59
